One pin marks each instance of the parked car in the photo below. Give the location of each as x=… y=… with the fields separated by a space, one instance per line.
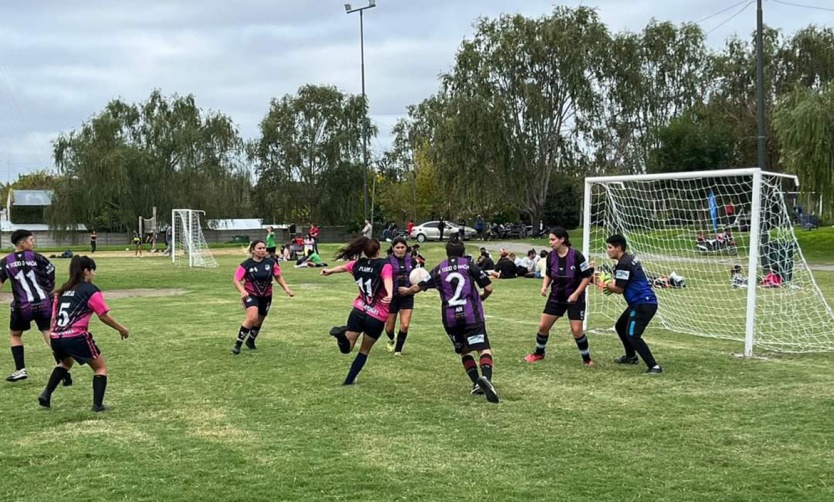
x=430 y=231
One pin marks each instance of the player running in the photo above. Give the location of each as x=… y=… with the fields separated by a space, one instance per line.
x=567 y=274
x=75 y=302
x=402 y=264
x=373 y=275
x=457 y=278
x=630 y=281
x=33 y=279
x=257 y=274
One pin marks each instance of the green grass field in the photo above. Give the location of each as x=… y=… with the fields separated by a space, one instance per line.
x=189 y=421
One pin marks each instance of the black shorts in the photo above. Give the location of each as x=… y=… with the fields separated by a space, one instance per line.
x=21 y=320
x=576 y=311
x=360 y=322
x=468 y=337
x=401 y=302
x=81 y=348
x=634 y=320
x=271 y=250
x=262 y=302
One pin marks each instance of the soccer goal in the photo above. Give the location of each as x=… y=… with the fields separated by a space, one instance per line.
x=188 y=245
x=719 y=248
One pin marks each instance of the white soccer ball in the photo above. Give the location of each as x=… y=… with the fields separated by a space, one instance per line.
x=127 y=249
x=418 y=275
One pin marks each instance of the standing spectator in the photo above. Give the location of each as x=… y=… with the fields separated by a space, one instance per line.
x=314 y=233
x=270 y=242
x=479 y=226
x=441 y=225
x=93 y=238
x=461 y=229
x=292 y=230
x=729 y=212
x=409 y=227
x=368 y=230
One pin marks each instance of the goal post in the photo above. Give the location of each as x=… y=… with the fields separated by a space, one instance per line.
x=719 y=248
x=188 y=244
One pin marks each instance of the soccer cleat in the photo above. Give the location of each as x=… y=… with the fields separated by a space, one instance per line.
x=657 y=370
x=99 y=409
x=236 y=349
x=390 y=345
x=532 y=358
x=18 y=375
x=476 y=390
x=44 y=400
x=338 y=332
x=489 y=390
x=589 y=362
x=67 y=381
x=250 y=344
x=627 y=360
x=398 y=354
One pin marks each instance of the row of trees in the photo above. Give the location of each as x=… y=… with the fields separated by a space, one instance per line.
x=529 y=108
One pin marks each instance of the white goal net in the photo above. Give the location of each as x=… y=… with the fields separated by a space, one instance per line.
x=188 y=244
x=720 y=250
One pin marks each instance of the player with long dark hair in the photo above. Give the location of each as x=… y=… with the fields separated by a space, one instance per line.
x=373 y=275
x=75 y=302
x=257 y=274
x=457 y=278
x=403 y=305
x=32 y=277
x=567 y=274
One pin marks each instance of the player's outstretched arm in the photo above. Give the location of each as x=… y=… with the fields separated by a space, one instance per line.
x=281 y=282
x=413 y=290
x=108 y=320
x=335 y=270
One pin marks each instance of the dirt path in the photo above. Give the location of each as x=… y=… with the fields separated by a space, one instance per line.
x=123 y=293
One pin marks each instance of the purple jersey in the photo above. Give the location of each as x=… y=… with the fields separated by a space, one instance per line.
x=32 y=277
x=457 y=280
x=401 y=268
x=566 y=273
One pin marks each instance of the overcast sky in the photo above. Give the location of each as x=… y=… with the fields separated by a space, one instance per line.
x=62 y=61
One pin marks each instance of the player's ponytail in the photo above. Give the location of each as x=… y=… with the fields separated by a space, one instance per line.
x=355 y=248
x=78 y=266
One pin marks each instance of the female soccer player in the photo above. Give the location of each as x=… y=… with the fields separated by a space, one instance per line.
x=567 y=273
x=257 y=274
x=75 y=302
x=402 y=264
x=373 y=275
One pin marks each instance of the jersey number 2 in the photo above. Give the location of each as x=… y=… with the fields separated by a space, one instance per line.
x=27 y=286
x=457 y=280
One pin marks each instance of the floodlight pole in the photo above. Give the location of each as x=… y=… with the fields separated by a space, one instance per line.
x=361 y=11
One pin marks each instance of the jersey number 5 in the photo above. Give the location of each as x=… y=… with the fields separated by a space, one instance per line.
x=63 y=315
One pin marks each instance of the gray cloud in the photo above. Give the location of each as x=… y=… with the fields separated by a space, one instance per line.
x=61 y=62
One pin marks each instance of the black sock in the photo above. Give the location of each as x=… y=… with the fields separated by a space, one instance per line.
x=644 y=351
x=253 y=333
x=55 y=378
x=401 y=336
x=17 y=354
x=99 y=385
x=470 y=367
x=584 y=349
x=241 y=336
x=541 y=343
x=629 y=348
x=355 y=368
x=486 y=366
x=390 y=335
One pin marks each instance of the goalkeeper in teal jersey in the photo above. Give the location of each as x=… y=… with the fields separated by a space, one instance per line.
x=630 y=280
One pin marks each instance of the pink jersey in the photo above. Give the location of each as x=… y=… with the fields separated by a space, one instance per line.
x=257 y=276
x=72 y=310
x=369 y=276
